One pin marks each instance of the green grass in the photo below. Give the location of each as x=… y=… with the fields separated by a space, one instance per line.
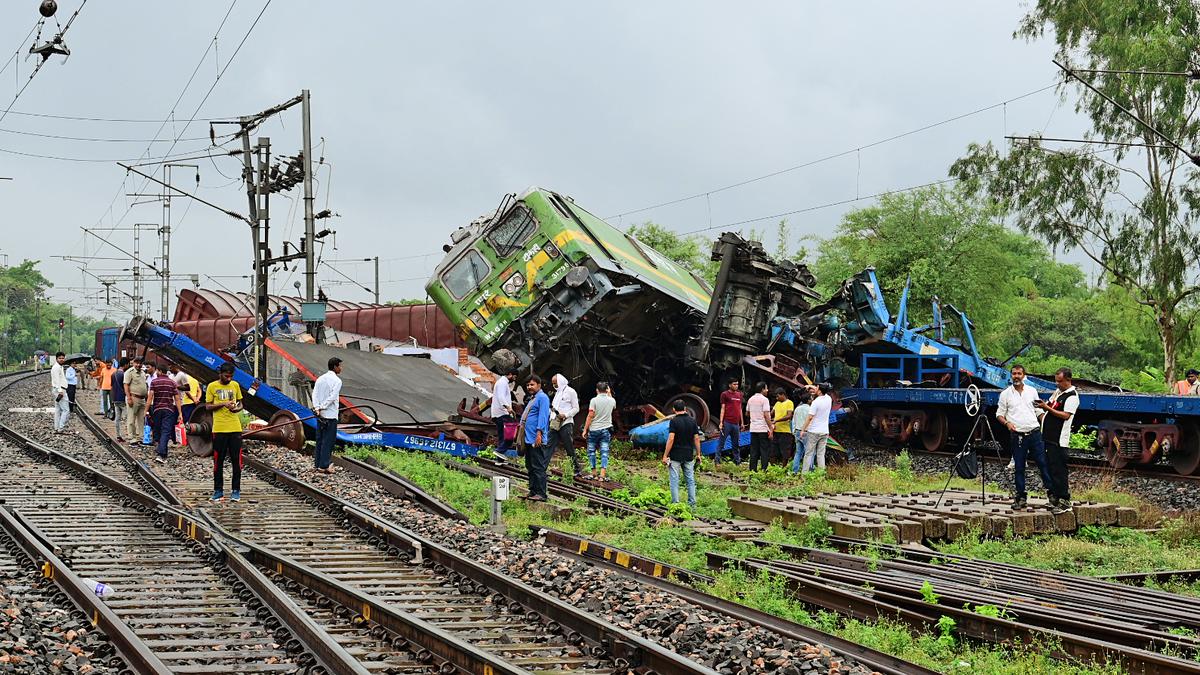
x=676 y=544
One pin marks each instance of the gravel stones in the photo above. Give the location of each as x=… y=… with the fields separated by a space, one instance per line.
x=713 y=639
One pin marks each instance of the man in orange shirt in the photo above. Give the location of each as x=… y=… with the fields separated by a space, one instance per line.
x=104 y=375
x=1189 y=386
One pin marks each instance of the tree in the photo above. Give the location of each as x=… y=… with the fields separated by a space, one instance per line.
x=953 y=248
x=692 y=252
x=1130 y=208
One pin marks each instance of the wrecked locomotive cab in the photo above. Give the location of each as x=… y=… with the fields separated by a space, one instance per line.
x=542 y=284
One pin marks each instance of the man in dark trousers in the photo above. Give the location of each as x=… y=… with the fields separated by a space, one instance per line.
x=1019 y=414
x=1059 y=412
x=164 y=412
x=731 y=421
x=682 y=453
x=537 y=439
x=224 y=399
x=762 y=427
x=326 y=394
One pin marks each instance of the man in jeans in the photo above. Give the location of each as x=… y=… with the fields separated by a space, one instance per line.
x=682 y=453
x=136 y=391
x=597 y=429
x=326 y=393
x=1017 y=411
x=1058 y=413
x=815 y=431
x=164 y=412
x=537 y=438
x=731 y=422
x=118 y=399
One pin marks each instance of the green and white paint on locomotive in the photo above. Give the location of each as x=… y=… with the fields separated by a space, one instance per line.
x=538 y=239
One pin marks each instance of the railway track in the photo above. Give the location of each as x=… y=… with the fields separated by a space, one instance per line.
x=385 y=599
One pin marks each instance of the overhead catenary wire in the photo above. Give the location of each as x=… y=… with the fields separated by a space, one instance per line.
x=38 y=68
x=836 y=155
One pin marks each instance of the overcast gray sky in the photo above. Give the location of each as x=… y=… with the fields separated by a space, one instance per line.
x=431 y=112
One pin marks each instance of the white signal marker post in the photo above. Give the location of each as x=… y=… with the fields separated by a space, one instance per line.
x=499 y=495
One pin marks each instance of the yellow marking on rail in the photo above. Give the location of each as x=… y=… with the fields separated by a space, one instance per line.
x=658 y=571
x=366 y=611
x=47 y=570
x=623 y=559
x=583 y=546
x=607 y=553
x=95 y=616
x=179 y=522
x=279 y=568
x=487 y=670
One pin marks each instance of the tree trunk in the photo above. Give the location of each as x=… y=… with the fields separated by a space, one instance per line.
x=1166 y=332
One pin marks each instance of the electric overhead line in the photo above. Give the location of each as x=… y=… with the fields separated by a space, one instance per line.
x=94 y=139
x=836 y=155
x=114 y=120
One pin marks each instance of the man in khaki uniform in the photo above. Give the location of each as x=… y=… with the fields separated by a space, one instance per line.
x=135 y=399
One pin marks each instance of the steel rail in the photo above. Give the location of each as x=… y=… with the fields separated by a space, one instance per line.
x=129 y=646
x=134 y=466
x=620 y=644
x=434 y=641
x=875 y=603
x=398 y=486
x=335 y=659
x=663 y=576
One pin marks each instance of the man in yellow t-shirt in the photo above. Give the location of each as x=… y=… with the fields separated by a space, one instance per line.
x=224 y=399
x=785 y=442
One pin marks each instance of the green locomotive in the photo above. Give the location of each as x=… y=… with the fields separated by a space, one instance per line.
x=542 y=283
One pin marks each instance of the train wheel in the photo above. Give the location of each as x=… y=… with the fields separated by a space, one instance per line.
x=933 y=436
x=1115 y=460
x=1186 y=458
x=695 y=405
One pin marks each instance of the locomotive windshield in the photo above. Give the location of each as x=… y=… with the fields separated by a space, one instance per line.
x=508 y=236
x=466 y=275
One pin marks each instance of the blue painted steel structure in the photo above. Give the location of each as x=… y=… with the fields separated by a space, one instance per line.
x=262 y=400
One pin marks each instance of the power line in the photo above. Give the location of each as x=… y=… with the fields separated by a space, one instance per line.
x=109 y=160
x=93 y=139
x=125 y=120
x=45 y=56
x=835 y=155
x=18 y=50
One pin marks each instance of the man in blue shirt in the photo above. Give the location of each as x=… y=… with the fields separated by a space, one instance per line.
x=537 y=437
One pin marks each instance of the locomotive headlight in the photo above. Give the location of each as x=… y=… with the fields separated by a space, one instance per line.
x=477 y=319
x=513 y=284
x=551 y=250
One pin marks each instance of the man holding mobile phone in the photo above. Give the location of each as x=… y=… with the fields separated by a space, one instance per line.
x=1018 y=411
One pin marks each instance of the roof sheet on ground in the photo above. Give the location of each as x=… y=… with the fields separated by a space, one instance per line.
x=425 y=389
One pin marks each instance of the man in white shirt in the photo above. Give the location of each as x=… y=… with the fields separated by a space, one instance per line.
x=501 y=408
x=326 y=393
x=1018 y=412
x=58 y=391
x=1058 y=414
x=564 y=407
x=815 y=432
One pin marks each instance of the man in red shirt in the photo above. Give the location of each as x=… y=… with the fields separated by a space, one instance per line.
x=731 y=422
x=164 y=412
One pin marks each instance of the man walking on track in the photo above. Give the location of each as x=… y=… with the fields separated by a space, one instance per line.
x=537 y=436
x=58 y=391
x=731 y=422
x=104 y=373
x=224 y=399
x=1058 y=413
x=1018 y=412
x=326 y=394
x=164 y=412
